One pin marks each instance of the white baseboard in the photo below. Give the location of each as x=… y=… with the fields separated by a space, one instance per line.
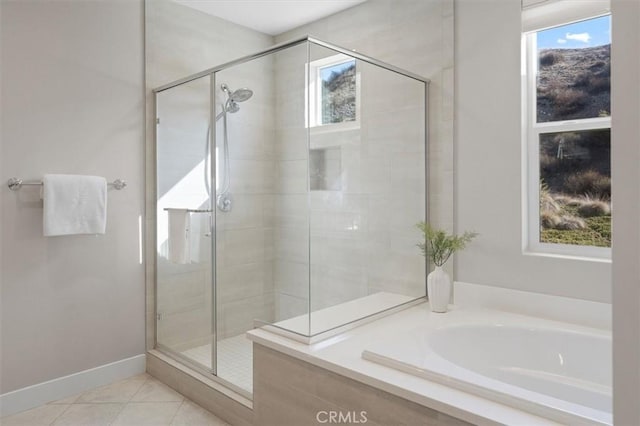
x=63 y=387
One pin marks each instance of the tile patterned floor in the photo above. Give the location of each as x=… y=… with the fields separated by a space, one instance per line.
x=235 y=359
x=136 y=401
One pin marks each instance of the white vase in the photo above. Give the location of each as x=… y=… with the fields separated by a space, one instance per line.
x=438 y=289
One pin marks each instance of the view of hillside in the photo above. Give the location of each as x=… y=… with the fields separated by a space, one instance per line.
x=574 y=83
x=575 y=167
x=339 y=94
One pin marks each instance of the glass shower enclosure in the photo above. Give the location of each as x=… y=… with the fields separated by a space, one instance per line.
x=289 y=183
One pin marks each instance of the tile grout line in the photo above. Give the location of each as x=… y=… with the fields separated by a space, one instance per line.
x=117 y=415
x=122 y=403
x=76 y=402
x=147 y=379
x=60 y=415
x=176 y=413
x=129 y=400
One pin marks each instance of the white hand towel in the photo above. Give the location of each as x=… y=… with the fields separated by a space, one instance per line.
x=179 y=238
x=74 y=204
x=200 y=235
x=195 y=236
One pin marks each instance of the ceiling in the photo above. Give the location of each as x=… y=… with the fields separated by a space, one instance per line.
x=271 y=17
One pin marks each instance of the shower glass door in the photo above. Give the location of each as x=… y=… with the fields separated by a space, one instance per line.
x=261 y=222
x=184 y=293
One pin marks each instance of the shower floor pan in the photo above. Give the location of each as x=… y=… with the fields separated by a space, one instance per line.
x=235 y=360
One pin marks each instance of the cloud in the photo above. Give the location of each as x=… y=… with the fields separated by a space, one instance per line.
x=583 y=37
x=561 y=41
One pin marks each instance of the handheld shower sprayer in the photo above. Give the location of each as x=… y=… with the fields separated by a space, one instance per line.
x=223 y=199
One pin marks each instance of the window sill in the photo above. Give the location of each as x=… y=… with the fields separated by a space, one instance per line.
x=334 y=127
x=562 y=256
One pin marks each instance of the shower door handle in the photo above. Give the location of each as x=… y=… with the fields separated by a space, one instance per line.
x=210 y=233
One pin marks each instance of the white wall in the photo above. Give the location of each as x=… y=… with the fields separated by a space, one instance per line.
x=488 y=162
x=72 y=102
x=625 y=66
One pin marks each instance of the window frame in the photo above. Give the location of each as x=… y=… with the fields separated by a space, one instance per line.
x=532 y=130
x=314 y=103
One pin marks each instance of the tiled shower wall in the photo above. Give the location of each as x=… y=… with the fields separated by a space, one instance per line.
x=244 y=248
x=182 y=41
x=362 y=238
x=356 y=232
x=291 y=224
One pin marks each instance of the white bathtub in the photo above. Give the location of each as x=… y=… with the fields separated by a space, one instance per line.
x=555 y=370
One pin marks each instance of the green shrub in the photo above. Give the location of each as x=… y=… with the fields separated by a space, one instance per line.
x=588 y=182
x=439 y=245
x=580 y=237
x=565 y=200
x=602 y=226
x=549 y=164
x=597 y=233
x=582 y=80
x=550 y=58
x=570 y=223
x=593 y=83
x=598 y=84
x=549 y=220
x=573 y=202
x=547 y=202
x=591 y=208
x=568 y=101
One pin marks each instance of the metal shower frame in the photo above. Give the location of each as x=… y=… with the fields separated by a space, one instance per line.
x=285 y=45
x=211 y=72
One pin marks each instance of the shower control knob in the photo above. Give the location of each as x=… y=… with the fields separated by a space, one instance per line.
x=223 y=201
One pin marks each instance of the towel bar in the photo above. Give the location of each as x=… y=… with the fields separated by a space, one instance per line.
x=191 y=210
x=14 y=184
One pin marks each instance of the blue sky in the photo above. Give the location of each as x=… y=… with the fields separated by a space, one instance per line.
x=589 y=33
x=325 y=73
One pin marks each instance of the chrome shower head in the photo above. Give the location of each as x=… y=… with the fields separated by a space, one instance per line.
x=232 y=106
x=235 y=96
x=241 y=95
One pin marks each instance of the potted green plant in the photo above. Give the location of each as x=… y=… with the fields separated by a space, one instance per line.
x=438 y=246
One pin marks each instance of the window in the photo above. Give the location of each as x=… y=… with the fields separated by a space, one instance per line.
x=568 y=134
x=334 y=91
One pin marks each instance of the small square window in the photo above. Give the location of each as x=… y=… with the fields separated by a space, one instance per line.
x=334 y=93
x=338 y=92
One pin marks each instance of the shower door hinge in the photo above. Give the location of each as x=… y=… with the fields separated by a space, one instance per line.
x=157 y=120
x=158 y=317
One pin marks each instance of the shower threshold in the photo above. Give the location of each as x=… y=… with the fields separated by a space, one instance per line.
x=235 y=360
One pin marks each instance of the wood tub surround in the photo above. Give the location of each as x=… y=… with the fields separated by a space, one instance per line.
x=291 y=392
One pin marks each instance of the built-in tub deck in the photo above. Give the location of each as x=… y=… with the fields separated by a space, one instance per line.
x=556 y=370
x=392 y=354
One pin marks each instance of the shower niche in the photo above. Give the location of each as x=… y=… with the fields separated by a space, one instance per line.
x=289 y=183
